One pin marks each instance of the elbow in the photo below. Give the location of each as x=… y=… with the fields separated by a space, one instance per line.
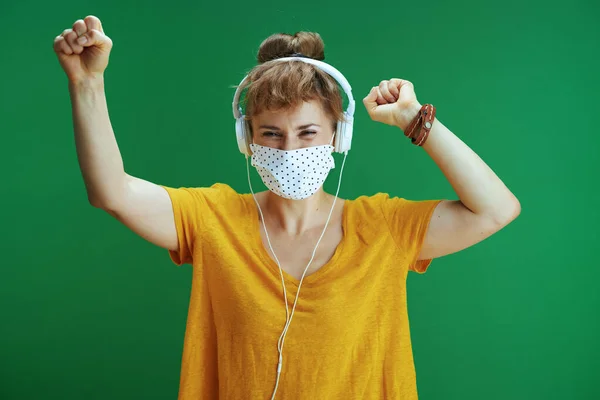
x=508 y=213
x=105 y=197
x=96 y=205
x=93 y=199
x=95 y=202
x=102 y=206
x=100 y=202
x=517 y=210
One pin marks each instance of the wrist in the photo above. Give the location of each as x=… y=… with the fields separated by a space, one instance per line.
x=87 y=83
x=406 y=116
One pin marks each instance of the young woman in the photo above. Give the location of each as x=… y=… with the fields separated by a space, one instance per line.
x=296 y=293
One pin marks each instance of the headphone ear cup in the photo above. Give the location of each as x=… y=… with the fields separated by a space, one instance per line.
x=343 y=141
x=241 y=136
x=348 y=129
x=337 y=142
x=248 y=137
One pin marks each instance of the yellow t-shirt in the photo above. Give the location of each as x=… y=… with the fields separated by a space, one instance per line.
x=349 y=338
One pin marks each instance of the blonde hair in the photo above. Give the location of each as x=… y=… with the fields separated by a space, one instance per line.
x=276 y=85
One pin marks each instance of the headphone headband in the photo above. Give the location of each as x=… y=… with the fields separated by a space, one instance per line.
x=337 y=75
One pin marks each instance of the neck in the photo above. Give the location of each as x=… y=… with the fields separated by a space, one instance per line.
x=297 y=216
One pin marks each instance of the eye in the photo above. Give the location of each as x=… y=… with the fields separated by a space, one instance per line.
x=306 y=133
x=270 y=134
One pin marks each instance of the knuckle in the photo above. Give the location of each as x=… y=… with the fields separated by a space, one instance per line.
x=91 y=35
x=95 y=34
x=65 y=47
x=93 y=22
x=79 y=27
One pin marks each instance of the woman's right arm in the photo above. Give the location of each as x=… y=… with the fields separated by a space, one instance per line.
x=142 y=206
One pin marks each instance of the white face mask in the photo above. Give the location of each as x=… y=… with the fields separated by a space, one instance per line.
x=293 y=174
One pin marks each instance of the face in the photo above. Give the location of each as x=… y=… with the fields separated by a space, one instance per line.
x=305 y=126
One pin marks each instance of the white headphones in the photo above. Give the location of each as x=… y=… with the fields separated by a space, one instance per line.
x=343 y=134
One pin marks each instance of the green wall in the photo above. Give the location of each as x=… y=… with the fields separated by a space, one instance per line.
x=88 y=310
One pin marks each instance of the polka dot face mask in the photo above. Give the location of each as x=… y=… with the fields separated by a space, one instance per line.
x=293 y=174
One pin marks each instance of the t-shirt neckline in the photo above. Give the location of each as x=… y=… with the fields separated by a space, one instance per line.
x=261 y=251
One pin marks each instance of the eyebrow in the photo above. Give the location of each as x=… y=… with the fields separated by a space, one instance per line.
x=277 y=129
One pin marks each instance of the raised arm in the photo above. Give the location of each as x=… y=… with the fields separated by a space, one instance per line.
x=485 y=204
x=142 y=206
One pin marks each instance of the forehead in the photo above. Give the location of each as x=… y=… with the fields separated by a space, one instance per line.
x=308 y=111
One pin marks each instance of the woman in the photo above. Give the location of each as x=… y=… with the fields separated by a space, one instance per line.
x=336 y=268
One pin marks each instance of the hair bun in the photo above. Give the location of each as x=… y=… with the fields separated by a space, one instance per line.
x=278 y=45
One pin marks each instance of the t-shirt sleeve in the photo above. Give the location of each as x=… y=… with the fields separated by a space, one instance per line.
x=192 y=207
x=408 y=221
x=187 y=207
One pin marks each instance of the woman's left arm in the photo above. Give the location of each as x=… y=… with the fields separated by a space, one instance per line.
x=486 y=205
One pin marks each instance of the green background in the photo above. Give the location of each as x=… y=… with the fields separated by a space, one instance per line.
x=88 y=310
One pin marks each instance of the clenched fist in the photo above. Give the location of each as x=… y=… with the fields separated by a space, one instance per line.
x=393 y=102
x=83 y=50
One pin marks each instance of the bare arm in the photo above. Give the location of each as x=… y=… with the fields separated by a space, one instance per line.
x=141 y=205
x=486 y=205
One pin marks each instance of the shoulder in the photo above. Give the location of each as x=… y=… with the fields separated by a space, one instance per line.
x=387 y=203
x=216 y=190
x=369 y=203
x=397 y=212
x=383 y=203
